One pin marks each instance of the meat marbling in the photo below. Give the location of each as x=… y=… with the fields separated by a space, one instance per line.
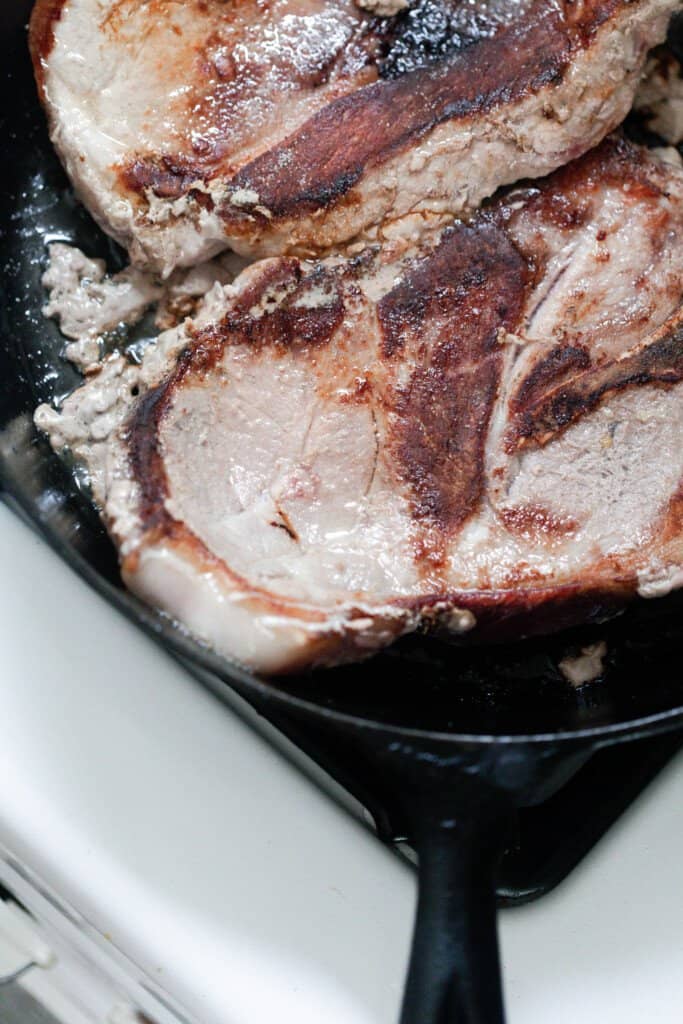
x=483 y=434
x=293 y=126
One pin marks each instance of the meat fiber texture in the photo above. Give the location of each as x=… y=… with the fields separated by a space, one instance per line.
x=479 y=434
x=300 y=125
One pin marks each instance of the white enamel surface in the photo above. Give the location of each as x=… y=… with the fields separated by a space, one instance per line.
x=241 y=889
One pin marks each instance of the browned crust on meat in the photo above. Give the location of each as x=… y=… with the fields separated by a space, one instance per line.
x=323 y=160
x=540 y=418
x=273 y=313
x=553 y=369
x=443 y=424
x=41 y=36
x=222 y=80
x=329 y=154
x=169 y=177
x=473 y=283
x=146 y=460
x=448 y=311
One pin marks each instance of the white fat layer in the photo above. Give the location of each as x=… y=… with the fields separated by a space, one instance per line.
x=244 y=627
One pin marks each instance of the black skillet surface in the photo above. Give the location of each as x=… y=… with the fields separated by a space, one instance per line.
x=442 y=743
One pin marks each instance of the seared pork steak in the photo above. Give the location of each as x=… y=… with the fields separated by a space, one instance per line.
x=485 y=434
x=293 y=126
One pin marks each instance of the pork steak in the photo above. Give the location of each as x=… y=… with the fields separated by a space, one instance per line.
x=485 y=434
x=296 y=125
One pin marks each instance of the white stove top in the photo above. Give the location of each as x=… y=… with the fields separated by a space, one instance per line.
x=216 y=874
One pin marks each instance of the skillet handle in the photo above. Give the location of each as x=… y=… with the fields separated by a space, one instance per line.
x=454 y=975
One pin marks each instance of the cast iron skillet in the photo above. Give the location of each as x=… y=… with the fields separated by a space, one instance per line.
x=441 y=743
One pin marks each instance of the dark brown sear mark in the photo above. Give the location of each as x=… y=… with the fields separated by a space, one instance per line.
x=445 y=316
x=250 y=58
x=329 y=154
x=168 y=176
x=283 y=310
x=435 y=62
x=474 y=275
x=146 y=458
x=442 y=420
x=555 y=368
x=548 y=413
x=331 y=151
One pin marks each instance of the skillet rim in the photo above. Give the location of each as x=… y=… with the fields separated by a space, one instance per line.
x=170 y=637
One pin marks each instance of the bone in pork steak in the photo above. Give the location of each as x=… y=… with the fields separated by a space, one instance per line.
x=484 y=435
x=293 y=126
